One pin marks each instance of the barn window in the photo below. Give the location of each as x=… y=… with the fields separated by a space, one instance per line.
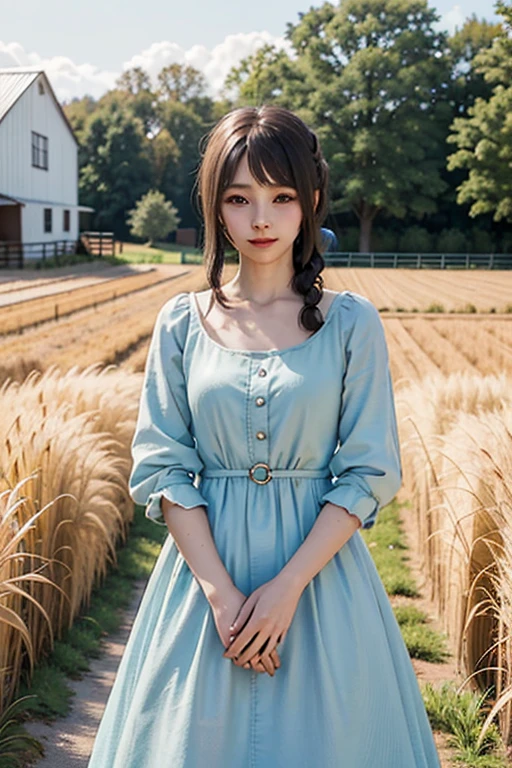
x=66 y=226
x=39 y=151
x=47 y=219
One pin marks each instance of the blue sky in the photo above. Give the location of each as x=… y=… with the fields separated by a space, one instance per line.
x=84 y=46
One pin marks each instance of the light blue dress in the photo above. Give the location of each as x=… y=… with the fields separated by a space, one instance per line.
x=346 y=695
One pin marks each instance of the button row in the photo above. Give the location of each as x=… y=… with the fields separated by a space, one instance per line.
x=259 y=402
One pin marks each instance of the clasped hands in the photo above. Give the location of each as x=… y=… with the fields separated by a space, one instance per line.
x=250 y=628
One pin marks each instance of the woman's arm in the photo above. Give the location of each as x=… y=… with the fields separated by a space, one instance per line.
x=191 y=531
x=332 y=529
x=192 y=534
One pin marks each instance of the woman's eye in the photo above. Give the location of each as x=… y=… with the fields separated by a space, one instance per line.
x=239 y=199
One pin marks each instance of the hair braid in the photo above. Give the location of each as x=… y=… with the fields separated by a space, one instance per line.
x=307 y=279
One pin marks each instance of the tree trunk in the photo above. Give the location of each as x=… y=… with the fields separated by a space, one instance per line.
x=365 y=231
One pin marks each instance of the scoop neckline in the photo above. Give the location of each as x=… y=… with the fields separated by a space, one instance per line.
x=265 y=352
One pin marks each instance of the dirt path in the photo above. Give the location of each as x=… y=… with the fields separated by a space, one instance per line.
x=68 y=742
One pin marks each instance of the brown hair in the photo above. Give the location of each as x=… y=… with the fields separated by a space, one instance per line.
x=281 y=148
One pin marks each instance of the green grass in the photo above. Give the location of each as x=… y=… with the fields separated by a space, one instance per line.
x=461 y=716
x=389 y=551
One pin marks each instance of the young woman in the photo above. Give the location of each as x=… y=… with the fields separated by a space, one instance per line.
x=265 y=638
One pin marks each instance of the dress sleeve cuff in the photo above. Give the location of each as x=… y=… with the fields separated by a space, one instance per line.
x=356 y=499
x=184 y=494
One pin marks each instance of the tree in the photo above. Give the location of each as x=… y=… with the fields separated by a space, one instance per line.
x=186 y=128
x=185 y=85
x=370 y=76
x=468 y=82
x=134 y=90
x=134 y=81
x=153 y=217
x=484 y=138
x=115 y=166
x=165 y=156
x=263 y=77
x=78 y=112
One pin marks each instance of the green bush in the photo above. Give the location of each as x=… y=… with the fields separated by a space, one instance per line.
x=451 y=241
x=384 y=241
x=349 y=240
x=480 y=241
x=415 y=240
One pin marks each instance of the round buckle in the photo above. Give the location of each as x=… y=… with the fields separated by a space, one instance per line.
x=255 y=468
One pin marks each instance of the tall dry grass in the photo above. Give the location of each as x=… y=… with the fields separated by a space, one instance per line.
x=456 y=438
x=64 y=502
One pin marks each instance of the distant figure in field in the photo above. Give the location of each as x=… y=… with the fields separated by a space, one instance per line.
x=330 y=240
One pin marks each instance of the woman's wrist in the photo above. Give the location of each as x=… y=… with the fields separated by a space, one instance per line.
x=216 y=593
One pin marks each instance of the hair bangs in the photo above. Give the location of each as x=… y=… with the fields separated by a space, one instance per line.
x=268 y=160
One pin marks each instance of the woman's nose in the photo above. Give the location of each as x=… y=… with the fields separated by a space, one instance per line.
x=260 y=218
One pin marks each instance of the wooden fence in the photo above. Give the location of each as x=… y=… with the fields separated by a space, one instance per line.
x=98 y=243
x=420 y=260
x=15 y=254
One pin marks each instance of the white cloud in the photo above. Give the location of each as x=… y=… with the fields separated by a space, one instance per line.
x=71 y=80
x=452 y=19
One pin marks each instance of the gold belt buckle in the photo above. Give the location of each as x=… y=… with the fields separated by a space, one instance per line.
x=258 y=466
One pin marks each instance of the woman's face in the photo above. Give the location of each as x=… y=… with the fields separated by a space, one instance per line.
x=252 y=213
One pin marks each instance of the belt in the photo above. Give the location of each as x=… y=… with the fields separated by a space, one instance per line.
x=261 y=473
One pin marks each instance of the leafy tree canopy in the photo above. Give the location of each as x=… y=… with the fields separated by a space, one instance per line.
x=484 y=138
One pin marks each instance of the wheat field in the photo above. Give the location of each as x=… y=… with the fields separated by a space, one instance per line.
x=450 y=345
x=118 y=331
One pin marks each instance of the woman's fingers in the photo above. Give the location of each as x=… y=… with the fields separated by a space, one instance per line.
x=266 y=658
x=251 y=649
x=267 y=664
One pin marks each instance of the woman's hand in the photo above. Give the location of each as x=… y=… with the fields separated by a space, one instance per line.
x=264 y=620
x=226 y=608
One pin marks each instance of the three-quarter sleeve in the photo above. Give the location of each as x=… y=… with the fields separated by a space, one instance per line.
x=367 y=465
x=165 y=459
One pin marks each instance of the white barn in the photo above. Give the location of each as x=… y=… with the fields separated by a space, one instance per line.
x=38 y=164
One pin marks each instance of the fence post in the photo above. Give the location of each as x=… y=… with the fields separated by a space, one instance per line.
x=491 y=261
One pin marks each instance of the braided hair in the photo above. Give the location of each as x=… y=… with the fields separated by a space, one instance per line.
x=280 y=146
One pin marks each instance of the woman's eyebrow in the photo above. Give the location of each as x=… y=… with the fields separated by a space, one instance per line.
x=250 y=186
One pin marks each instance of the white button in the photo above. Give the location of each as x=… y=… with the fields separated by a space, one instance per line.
x=262 y=372
x=260 y=401
x=260 y=435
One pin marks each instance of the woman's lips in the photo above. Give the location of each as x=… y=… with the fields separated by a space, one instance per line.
x=262 y=243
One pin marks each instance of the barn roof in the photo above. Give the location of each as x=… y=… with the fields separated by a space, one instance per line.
x=14 y=81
